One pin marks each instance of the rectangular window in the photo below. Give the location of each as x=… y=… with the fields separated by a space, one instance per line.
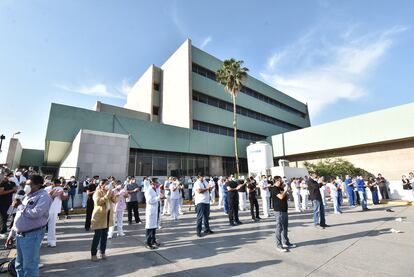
x=156 y=87
x=159 y=166
x=155 y=110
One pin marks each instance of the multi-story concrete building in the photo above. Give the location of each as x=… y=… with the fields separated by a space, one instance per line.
x=177 y=121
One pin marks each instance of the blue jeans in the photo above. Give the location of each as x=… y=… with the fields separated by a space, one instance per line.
x=281 y=229
x=28 y=253
x=318 y=213
x=363 y=199
x=226 y=204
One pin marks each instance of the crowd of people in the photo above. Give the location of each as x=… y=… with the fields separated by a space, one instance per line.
x=33 y=205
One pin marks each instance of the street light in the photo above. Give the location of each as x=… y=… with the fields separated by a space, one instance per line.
x=17 y=133
x=2 y=137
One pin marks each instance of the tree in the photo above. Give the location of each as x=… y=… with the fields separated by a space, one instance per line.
x=337 y=167
x=231 y=75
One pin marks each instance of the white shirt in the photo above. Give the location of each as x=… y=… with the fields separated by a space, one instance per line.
x=333 y=189
x=56 y=206
x=201 y=197
x=19 y=182
x=174 y=194
x=264 y=189
x=212 y=184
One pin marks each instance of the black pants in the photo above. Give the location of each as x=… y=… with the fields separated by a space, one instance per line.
x=89 y=210
x=99 y=238
x=384 y=192
x=4 y=216
x=150 y=234
x=203 y=212
x=133 y=206
x=233 y=206
x=254 y=205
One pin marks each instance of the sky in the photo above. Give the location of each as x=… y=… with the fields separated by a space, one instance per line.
x=343 y=58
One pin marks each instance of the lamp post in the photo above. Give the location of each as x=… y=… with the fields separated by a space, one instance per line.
x=2 y=137
x=17 y=133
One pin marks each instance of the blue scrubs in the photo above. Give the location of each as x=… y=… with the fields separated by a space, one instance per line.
x=350 y=191
x=226 y=202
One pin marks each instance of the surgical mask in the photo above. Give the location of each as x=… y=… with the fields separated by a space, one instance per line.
x=27 y=189
x=72 y=180
x=11 y=179
x=18 y=174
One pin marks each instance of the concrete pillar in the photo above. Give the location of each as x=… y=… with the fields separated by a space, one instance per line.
x=215 y=166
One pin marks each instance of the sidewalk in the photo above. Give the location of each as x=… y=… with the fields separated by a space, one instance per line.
x=356 y=244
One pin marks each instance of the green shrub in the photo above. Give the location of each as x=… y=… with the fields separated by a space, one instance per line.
x=336 y=167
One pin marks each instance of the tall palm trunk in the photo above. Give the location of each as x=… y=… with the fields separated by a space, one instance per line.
x=236 y=147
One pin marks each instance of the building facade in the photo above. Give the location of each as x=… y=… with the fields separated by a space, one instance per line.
x=177 y=121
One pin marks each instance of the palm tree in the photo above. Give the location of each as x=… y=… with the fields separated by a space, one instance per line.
x=231 y=75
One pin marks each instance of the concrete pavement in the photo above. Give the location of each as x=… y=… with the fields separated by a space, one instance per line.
x=356 y=244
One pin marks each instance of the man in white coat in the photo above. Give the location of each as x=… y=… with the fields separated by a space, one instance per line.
x=167 y=201
x=175 y=198
x=212 y=185
x=152 y=197
x=295 y=185
x=265 y=194
x=220 y=184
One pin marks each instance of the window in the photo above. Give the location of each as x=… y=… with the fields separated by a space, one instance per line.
x=248 y=91
x=159 y=166
x=131 y=164
x=216 y=129
x=155 y=110
x=156 y=87
x=143 y=166
x=207 y=99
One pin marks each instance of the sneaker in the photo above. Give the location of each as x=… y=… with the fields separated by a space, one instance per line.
x=51 y=245
x=180 y=213
x=150 y=247
x=280 y=249
x=157 y=243
x=139 y=222
x=208 y=232
x=199 y=235
x=103 y=256
x=232 y=224
x=94 y=259
x=109 y=237
x=121 y=235
x=71 y=209
x=258 y=218
x=239 y=222
x=290 y=245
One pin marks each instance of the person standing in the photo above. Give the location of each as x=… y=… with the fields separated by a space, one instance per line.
x=374 y=190
x=7 y=189
x=55 y=191
x=65 y=198
x=202 y=202
x=339 y=187
x=254 y=204
x=102 y=218
x=132 y=201
x=265 y=194
x=174 y=198
x=153 y=197
x=120 y=206
x=85 y=186
x=304 y=194
x=233 y=199
x=212 y=184
x=314 y=185
x=167 y=201
x=295 y=185
x=333 y=187
x=90 y=204
x=73 y=185
x=323 y=194
x=360 y=185
x=381 y=183
x=225 y=196
x=242 y=196
x=221 y=192
x=279 y=196
x=19 y=179
x=350 y=190
x=29 y=226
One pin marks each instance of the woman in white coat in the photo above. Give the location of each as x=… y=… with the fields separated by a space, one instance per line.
x=152 y=197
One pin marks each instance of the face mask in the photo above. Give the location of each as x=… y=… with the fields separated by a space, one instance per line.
x=18 y=174
x=11 y=179
x=27 y=189
x=72 y=180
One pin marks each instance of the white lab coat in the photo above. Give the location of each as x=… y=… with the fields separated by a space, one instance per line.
x=152 y=198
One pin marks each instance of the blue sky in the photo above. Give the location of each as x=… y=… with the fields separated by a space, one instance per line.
x=342 y=57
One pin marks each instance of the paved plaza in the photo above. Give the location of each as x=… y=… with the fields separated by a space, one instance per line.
x=356 y=244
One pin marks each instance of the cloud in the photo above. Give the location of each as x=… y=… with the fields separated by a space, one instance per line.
x=99 y=89
x=206 y=41
x=321 y=71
